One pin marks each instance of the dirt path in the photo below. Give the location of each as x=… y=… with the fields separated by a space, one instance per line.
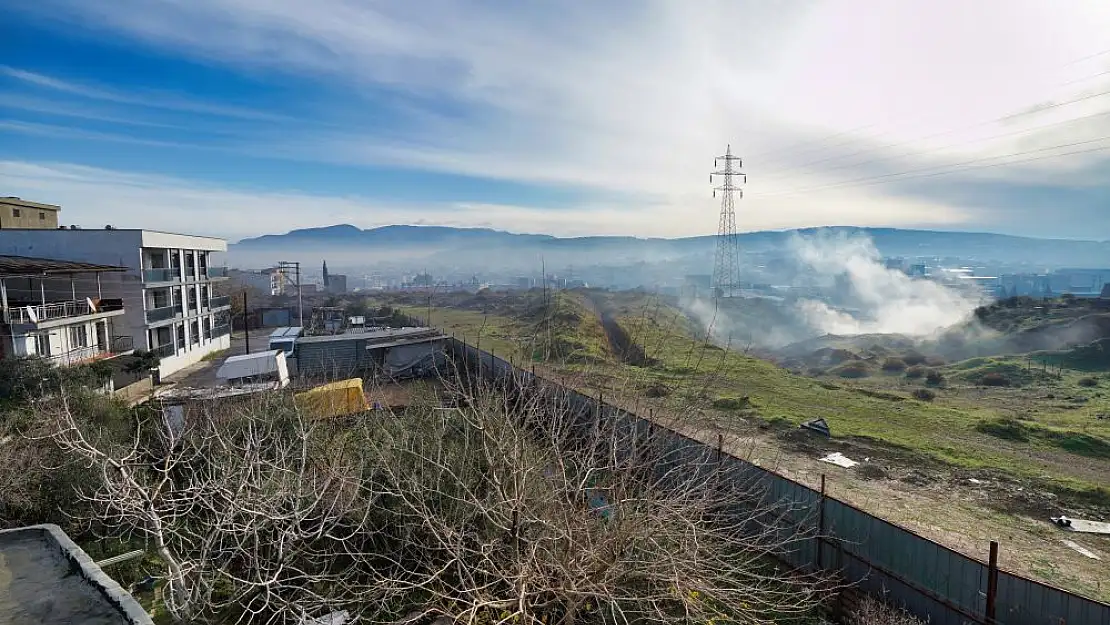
x=621 y=344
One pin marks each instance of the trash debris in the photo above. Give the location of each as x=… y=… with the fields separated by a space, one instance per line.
x=818 y=425
x=975 y=481
x=839 y=460
x=1079 y=525
x=1083 y=550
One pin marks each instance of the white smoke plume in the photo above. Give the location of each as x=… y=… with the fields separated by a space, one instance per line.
x=881 y=300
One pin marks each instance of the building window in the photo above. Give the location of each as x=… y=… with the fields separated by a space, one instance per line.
x=15 y=212
x=42 y=344
x=42 y=216
x=194 y=333
x=78 y=337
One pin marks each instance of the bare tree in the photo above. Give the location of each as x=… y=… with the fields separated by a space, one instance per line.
x=247 y=505
x=481 y=505
x=524 y=507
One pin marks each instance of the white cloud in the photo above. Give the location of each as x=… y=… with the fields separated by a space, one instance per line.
x=90 y=196
x=636 y=97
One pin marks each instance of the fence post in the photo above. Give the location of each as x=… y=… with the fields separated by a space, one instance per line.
x=821 y=525
x=992 y=583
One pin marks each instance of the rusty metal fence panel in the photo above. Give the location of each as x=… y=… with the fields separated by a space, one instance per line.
x=1024 y=601
x=882 y=559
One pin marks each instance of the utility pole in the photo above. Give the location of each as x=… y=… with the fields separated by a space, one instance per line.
x=284 y=267
x=726 y=265
x=246 y=326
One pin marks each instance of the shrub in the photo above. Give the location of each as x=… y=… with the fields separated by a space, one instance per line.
x=838 y=356
x=914 y=358
x=657 y=390
x=857 y=369
x=871 y=611
x=1006 y=428
x=994 y=379
x=924 y=394
x=894 y=364
x=934 y=378
x=731 y=403
x=1088 y=382
x=916 y=372
x=934 y=361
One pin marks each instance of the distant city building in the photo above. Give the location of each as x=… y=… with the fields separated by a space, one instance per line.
x=336 y=284
x=1079 y=281
x=895 y=263
x=918 y=270
x=18 y=213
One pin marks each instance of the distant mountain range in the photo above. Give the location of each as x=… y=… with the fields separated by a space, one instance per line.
x=440 y=241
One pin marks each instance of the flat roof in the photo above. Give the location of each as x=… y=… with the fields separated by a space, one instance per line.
x=30 y=266
x=46 y=578
x=388 y=335
x=287 y=332
x=113 y=229
x=17 y=201
x=247 y=365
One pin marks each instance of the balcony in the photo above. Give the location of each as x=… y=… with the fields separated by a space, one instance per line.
x=164 y=351
x=76 y=356
x=217 y=272
x=162 y=275
x=222 y=301
x=40 y=313
x=162 y=314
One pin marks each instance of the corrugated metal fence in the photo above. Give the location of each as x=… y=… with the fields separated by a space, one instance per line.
x=928 y=579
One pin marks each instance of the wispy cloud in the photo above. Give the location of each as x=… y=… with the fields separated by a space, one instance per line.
x=636 y=97
x=147 y=99
x=47 y=107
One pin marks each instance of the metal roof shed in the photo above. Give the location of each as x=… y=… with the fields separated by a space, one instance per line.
x=259 y=365
x=346 y=355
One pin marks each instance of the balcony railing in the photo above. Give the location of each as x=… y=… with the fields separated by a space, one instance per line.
x=222 y=301
x=217 y=272
x=161 y=314
x=121 y=344
x=164 y=351
x=162 y=275
x=37 y=313
x=75 y=356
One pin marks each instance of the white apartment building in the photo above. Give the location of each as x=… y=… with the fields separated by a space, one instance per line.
x=166 y=285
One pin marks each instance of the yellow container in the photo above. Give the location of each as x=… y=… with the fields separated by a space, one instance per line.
x=336 y=399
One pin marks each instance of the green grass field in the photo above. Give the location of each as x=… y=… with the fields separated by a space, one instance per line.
x=1033 y=432
x=1042 y=428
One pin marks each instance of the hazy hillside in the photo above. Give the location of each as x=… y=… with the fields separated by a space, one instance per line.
x=493 y=249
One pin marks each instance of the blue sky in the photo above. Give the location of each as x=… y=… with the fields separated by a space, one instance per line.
x=244 y=117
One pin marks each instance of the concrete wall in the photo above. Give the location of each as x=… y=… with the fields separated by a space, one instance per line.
x=173 y=364
x=23 y=214
x=151 y=238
